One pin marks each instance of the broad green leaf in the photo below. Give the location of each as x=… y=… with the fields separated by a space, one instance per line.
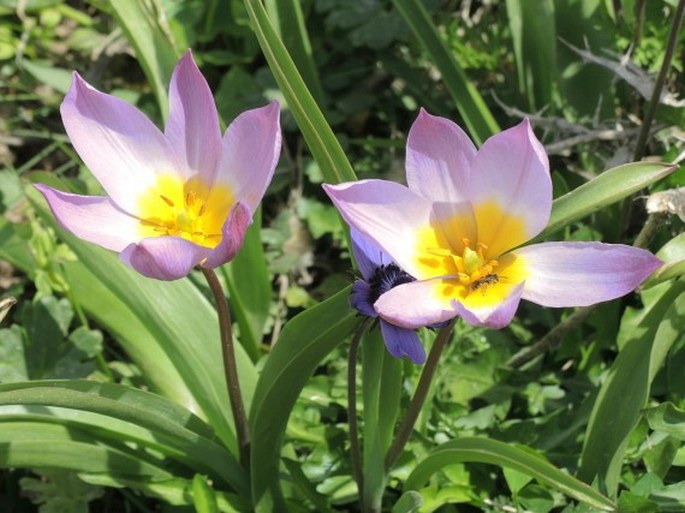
x=204 y=498
x=320 y=138
x=249 y=288
x=410 y=502
x=478 y=118
x=304 y=342
x=45 y=72
x=667 y=418
x=115 y=413
x=609 y=187
x=483 y=450
x=288 y=20
x=673 y=255
x=175 y=491
x=145 y=27
x=533 y=32
x=625 y=391
x=38 y=444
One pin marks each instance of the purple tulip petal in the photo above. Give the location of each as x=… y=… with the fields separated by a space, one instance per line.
x=511 y=189
x=359 y=299
x=233 y=232
x=400 y=342
x=439 y=156
x=387 y=213
x=120 y=146
x=251 y=148
x=416 y=304
x=193 y=125
x=92 y=218
x=564 y=274
x=495 y=316
x=367 y=254
x=163 y=258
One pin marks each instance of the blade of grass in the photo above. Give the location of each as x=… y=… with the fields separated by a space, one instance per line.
x=469 y=102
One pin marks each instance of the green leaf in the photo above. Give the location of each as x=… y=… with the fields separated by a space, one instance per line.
x=116 y=412
x=479 y=120
x=673 y=255
x=45 y=72
x=320 y=138
x=12 y=359
x=289 y=23
x=204 y=498
x=58 y=491
x=145 y=28
x=626 y=389
x=533 y=30
x=483 y=450
x=303 y=343
x=609 y=187
x=38 y=444
x=667 y=418
x=410 y=502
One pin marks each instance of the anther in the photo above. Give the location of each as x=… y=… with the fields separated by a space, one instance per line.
x=167 y=200
x=191 y=197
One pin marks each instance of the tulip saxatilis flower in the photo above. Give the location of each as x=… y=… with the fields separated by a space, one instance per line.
x=379 y=275
x=176 y=199
x=459 y=226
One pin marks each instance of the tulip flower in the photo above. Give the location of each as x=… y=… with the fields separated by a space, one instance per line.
x=379 y=275
x=176 y=199
x=460 y=225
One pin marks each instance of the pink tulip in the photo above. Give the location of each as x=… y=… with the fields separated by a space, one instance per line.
x=176 y=199
x=459 y=227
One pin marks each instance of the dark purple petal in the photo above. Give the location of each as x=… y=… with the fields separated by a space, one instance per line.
x=401 y=342
x=361 y=297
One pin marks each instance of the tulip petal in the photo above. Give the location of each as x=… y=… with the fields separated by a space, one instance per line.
x=566 y=274
x=251 y=147
x=401 y=342
x=416 y=304
x=120 y=146
x=511 y=189
x=163 y=258
x=92 y=218
x=491 y=316
x=359 y=299
x=368 y=256
x=233 y=233
x=193 y=124
x=388 y=213
x=439 y=156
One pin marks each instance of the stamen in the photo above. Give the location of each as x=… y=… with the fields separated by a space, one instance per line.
x=167 y=200
x=191 y=197
x=202 y=210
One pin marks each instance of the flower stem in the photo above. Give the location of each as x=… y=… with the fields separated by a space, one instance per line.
x=661 y=79
x=230 y=368
x=420 y=394
x=355 y=451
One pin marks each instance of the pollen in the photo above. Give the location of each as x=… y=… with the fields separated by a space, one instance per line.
x=188 y=209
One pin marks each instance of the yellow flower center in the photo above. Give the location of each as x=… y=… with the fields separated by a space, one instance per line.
x=472 y=272
x=187 y=209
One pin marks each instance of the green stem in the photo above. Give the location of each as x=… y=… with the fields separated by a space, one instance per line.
x=661 y=79
x=355 y=451
x=420 y=394
x=230 y=368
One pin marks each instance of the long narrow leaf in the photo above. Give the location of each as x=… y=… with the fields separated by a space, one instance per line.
x=154 y=45
x=469 y=102
x=304 y=342
x=609 y=187
x=119 y=412
x=320 y=138
x=624 y=393
x=483 y=450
